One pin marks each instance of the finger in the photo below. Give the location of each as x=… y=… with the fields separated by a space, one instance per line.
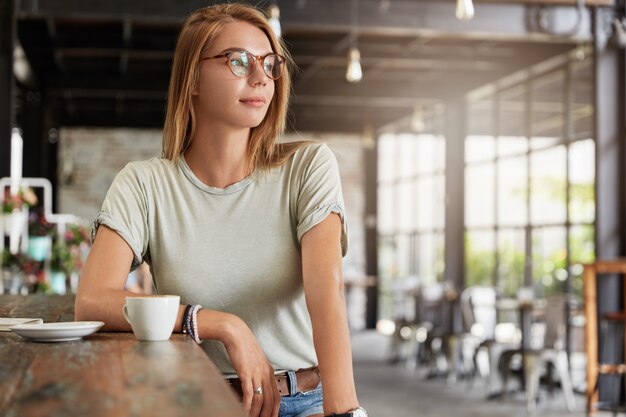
x=246 y=389
x=276 y=402
x=257 y=399
x=268 y=399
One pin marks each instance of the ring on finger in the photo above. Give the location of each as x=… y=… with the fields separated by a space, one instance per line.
x=258 y=390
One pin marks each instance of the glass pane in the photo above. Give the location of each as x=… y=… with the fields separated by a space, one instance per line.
x=512 y=145
x=425 y=203
x=582 y=181
x=386 y=158
x=405 y=209
x=387 y=274
x=479 y=195
x=439 y=207
x=479 y=257
x=548 y=184
x=582 y=109
x=512 y=191
x=430 y=153
x=404 y=257
x=549 y=260
x=582 y=251
x=386 y=256
x=547 y=121
x=429 y=256
x=385 y=208
x=512 y=123
x=439 y=157
x=479 y=148
x=406 y=150
x=480 y=117
x=511 y=255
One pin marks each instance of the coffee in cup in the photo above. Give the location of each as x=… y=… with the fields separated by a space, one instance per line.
x=152 y=318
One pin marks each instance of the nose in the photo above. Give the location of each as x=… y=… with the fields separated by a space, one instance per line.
x=258 y=76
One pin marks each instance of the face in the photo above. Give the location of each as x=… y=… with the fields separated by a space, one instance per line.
x=222 y=97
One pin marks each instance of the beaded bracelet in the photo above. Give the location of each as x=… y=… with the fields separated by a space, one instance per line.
x=186 y=319
x=194 y=323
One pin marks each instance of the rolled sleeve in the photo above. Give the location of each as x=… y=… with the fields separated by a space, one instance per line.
x=321 y=194
x=125 y=210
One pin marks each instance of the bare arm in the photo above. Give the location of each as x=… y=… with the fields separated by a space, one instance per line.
x=101 y=296
x=323 y=287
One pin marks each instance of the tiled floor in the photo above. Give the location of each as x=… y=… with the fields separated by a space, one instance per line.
x=394 y=391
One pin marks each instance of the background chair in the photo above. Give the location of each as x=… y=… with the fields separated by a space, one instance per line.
x=550 y=352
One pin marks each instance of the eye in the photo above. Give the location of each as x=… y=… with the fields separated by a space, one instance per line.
x=237 y=62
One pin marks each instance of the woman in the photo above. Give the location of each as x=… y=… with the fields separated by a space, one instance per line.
x=228 y=219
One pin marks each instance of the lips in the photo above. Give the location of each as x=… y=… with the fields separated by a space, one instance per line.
x=253 y=100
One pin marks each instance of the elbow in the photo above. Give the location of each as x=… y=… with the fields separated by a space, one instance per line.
x=82 y=308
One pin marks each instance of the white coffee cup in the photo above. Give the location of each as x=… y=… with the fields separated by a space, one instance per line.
x=152 y=318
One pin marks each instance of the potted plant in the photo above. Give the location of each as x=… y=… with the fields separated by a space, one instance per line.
x=14 y=207
x=39 y=236
x=14 y=267
x=67 y=258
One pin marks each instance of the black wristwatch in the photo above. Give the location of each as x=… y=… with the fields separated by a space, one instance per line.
x=357 y=412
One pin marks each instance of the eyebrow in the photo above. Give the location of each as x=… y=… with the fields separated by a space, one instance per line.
x=239 y=48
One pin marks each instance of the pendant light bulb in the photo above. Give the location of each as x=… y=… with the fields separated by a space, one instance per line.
x=464 y=9
x=417 y=120
x=274 y=20
x=354 y=73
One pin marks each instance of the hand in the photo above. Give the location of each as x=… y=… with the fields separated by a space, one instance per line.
x=253 y=370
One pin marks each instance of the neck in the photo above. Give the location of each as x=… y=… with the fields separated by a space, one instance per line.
x=217 y=155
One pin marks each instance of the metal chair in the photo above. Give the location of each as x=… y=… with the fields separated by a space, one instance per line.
x=551 y=352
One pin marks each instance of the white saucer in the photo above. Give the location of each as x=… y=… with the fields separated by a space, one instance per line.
x=57 y=332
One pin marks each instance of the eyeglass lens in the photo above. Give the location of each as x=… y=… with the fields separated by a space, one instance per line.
x=241 y=64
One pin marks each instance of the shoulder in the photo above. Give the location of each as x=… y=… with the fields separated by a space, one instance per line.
x=313 y=155
x=142 y=170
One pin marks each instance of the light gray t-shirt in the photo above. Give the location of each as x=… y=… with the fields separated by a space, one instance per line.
x=235 y=249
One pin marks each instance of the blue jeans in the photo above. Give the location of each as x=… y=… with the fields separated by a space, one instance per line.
x=300 y=404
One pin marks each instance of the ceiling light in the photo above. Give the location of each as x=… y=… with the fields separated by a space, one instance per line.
x=274 y=20
x=464 y=9
x=417 y=120
x=21 y=66
x=368 y=139
x=354 y=73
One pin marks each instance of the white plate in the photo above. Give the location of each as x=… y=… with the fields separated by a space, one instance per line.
x=57 y=332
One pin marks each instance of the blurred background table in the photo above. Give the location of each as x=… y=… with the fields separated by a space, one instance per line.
x=105 y=374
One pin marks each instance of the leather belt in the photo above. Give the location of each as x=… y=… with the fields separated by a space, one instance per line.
x=307 y=379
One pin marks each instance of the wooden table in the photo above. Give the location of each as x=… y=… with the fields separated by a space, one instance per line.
x=106 y=374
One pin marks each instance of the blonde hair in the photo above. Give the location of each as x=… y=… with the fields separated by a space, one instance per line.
x=199 y=32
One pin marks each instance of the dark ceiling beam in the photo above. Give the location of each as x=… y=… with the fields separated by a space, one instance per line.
x=95 y=93
x=423 y=18
x=356 y=102
x=606 y=3
x=112 y=119
x=297 y=122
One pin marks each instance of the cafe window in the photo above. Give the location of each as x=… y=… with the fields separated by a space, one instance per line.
x=411 y=213
x=529 y=179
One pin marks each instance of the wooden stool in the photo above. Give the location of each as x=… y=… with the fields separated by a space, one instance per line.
x=596 y=368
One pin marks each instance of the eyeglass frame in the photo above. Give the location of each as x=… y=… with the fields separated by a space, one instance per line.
x=254 y=61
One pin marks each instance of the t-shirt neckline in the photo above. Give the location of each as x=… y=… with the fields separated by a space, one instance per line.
x=233 y=188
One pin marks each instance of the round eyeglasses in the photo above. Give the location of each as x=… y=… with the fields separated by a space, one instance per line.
x=242 y=63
